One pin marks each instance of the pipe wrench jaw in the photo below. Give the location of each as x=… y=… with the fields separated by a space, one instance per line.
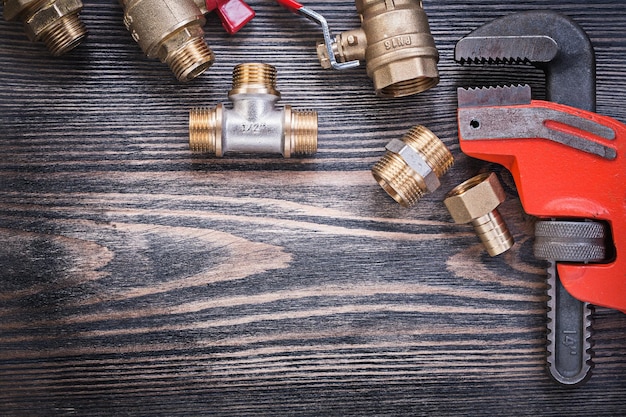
x=567 y=163
x=549 y=41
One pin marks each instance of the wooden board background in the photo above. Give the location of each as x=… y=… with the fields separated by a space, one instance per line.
x=137 y=279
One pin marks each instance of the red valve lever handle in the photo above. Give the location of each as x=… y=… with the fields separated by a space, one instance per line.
x=234 y=14
x=559 y=180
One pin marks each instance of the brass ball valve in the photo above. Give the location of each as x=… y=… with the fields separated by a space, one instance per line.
x=171 y=31
x=56 y=23
x=394 y=39
x=254 y=124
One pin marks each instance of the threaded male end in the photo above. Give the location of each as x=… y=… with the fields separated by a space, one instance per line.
x=254 y=78
x=205 y=130
x=301 y=133
x=191 y=60
x=411 y=167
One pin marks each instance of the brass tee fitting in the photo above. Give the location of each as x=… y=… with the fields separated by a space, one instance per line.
x=411 y=167
x=395 y=41
x=171 y=31
x=56 y=22
x=254 y=124
x=475 y=201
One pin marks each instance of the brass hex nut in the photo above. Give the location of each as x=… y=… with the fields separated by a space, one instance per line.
x=475 y=198
x=416 y=162
x=49 y=14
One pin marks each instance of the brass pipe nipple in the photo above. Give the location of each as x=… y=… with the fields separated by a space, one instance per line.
x=411 y=167
x=55 y=23
x=254 y=124
x=475 y=201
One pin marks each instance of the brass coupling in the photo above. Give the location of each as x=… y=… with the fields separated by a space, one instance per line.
x=395 y=41
x=56 y=23
x=171 y=31
x=254 y=124
x=475 y=201
x=411 y=167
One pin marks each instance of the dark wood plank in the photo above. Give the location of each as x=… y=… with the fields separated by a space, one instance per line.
x=137 y=279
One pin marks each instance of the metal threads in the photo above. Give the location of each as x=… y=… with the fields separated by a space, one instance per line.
x=475 y=201
x=406 y=174
x=303 y=132
x=493 y=233
x=192 y=60
x=202 y=130
x=398 y=179
x=435 y=153
x=254 y=77
x=64 y=35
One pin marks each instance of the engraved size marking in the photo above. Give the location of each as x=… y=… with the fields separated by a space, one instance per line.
x=253 y=127
x=128 y=20
x=570 y=341
x=398 y=42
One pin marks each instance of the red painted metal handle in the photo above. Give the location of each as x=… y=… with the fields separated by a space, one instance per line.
x=234 y=14
x=557 y=181
x=290 y=4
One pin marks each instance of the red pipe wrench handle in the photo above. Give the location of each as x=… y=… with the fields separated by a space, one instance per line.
x=567 y=164
x=234 y=14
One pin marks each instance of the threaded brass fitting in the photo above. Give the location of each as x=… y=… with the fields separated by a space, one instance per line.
x=475 y=201
x=253 y=125
x=171 y=31
x=56 y=22
x=411 y=167
x=395 y=40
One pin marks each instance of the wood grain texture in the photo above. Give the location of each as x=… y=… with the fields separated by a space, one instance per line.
x=137 y=279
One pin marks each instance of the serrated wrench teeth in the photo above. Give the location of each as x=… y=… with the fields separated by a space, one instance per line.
x=546 y=39
x=505 y=49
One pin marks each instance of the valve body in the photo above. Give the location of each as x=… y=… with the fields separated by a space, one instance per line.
x=171 y=31
x=395 y=41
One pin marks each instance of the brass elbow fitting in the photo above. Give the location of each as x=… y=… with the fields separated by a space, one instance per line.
x=395 y=41
x=56 y=22
x=171 y=31
x=254 y=124
x=411 y=167
x=475 y=201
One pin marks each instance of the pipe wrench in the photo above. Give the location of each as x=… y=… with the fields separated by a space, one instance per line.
x=561 y=48
x=569 y=164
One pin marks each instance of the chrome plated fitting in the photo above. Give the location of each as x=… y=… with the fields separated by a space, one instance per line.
x=411 y=167
x=56 y=23
x=475 y=201
x=254 y=124
x=171 y=31
x=395 y=41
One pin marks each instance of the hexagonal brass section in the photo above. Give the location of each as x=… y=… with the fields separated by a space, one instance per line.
x=475 y=198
